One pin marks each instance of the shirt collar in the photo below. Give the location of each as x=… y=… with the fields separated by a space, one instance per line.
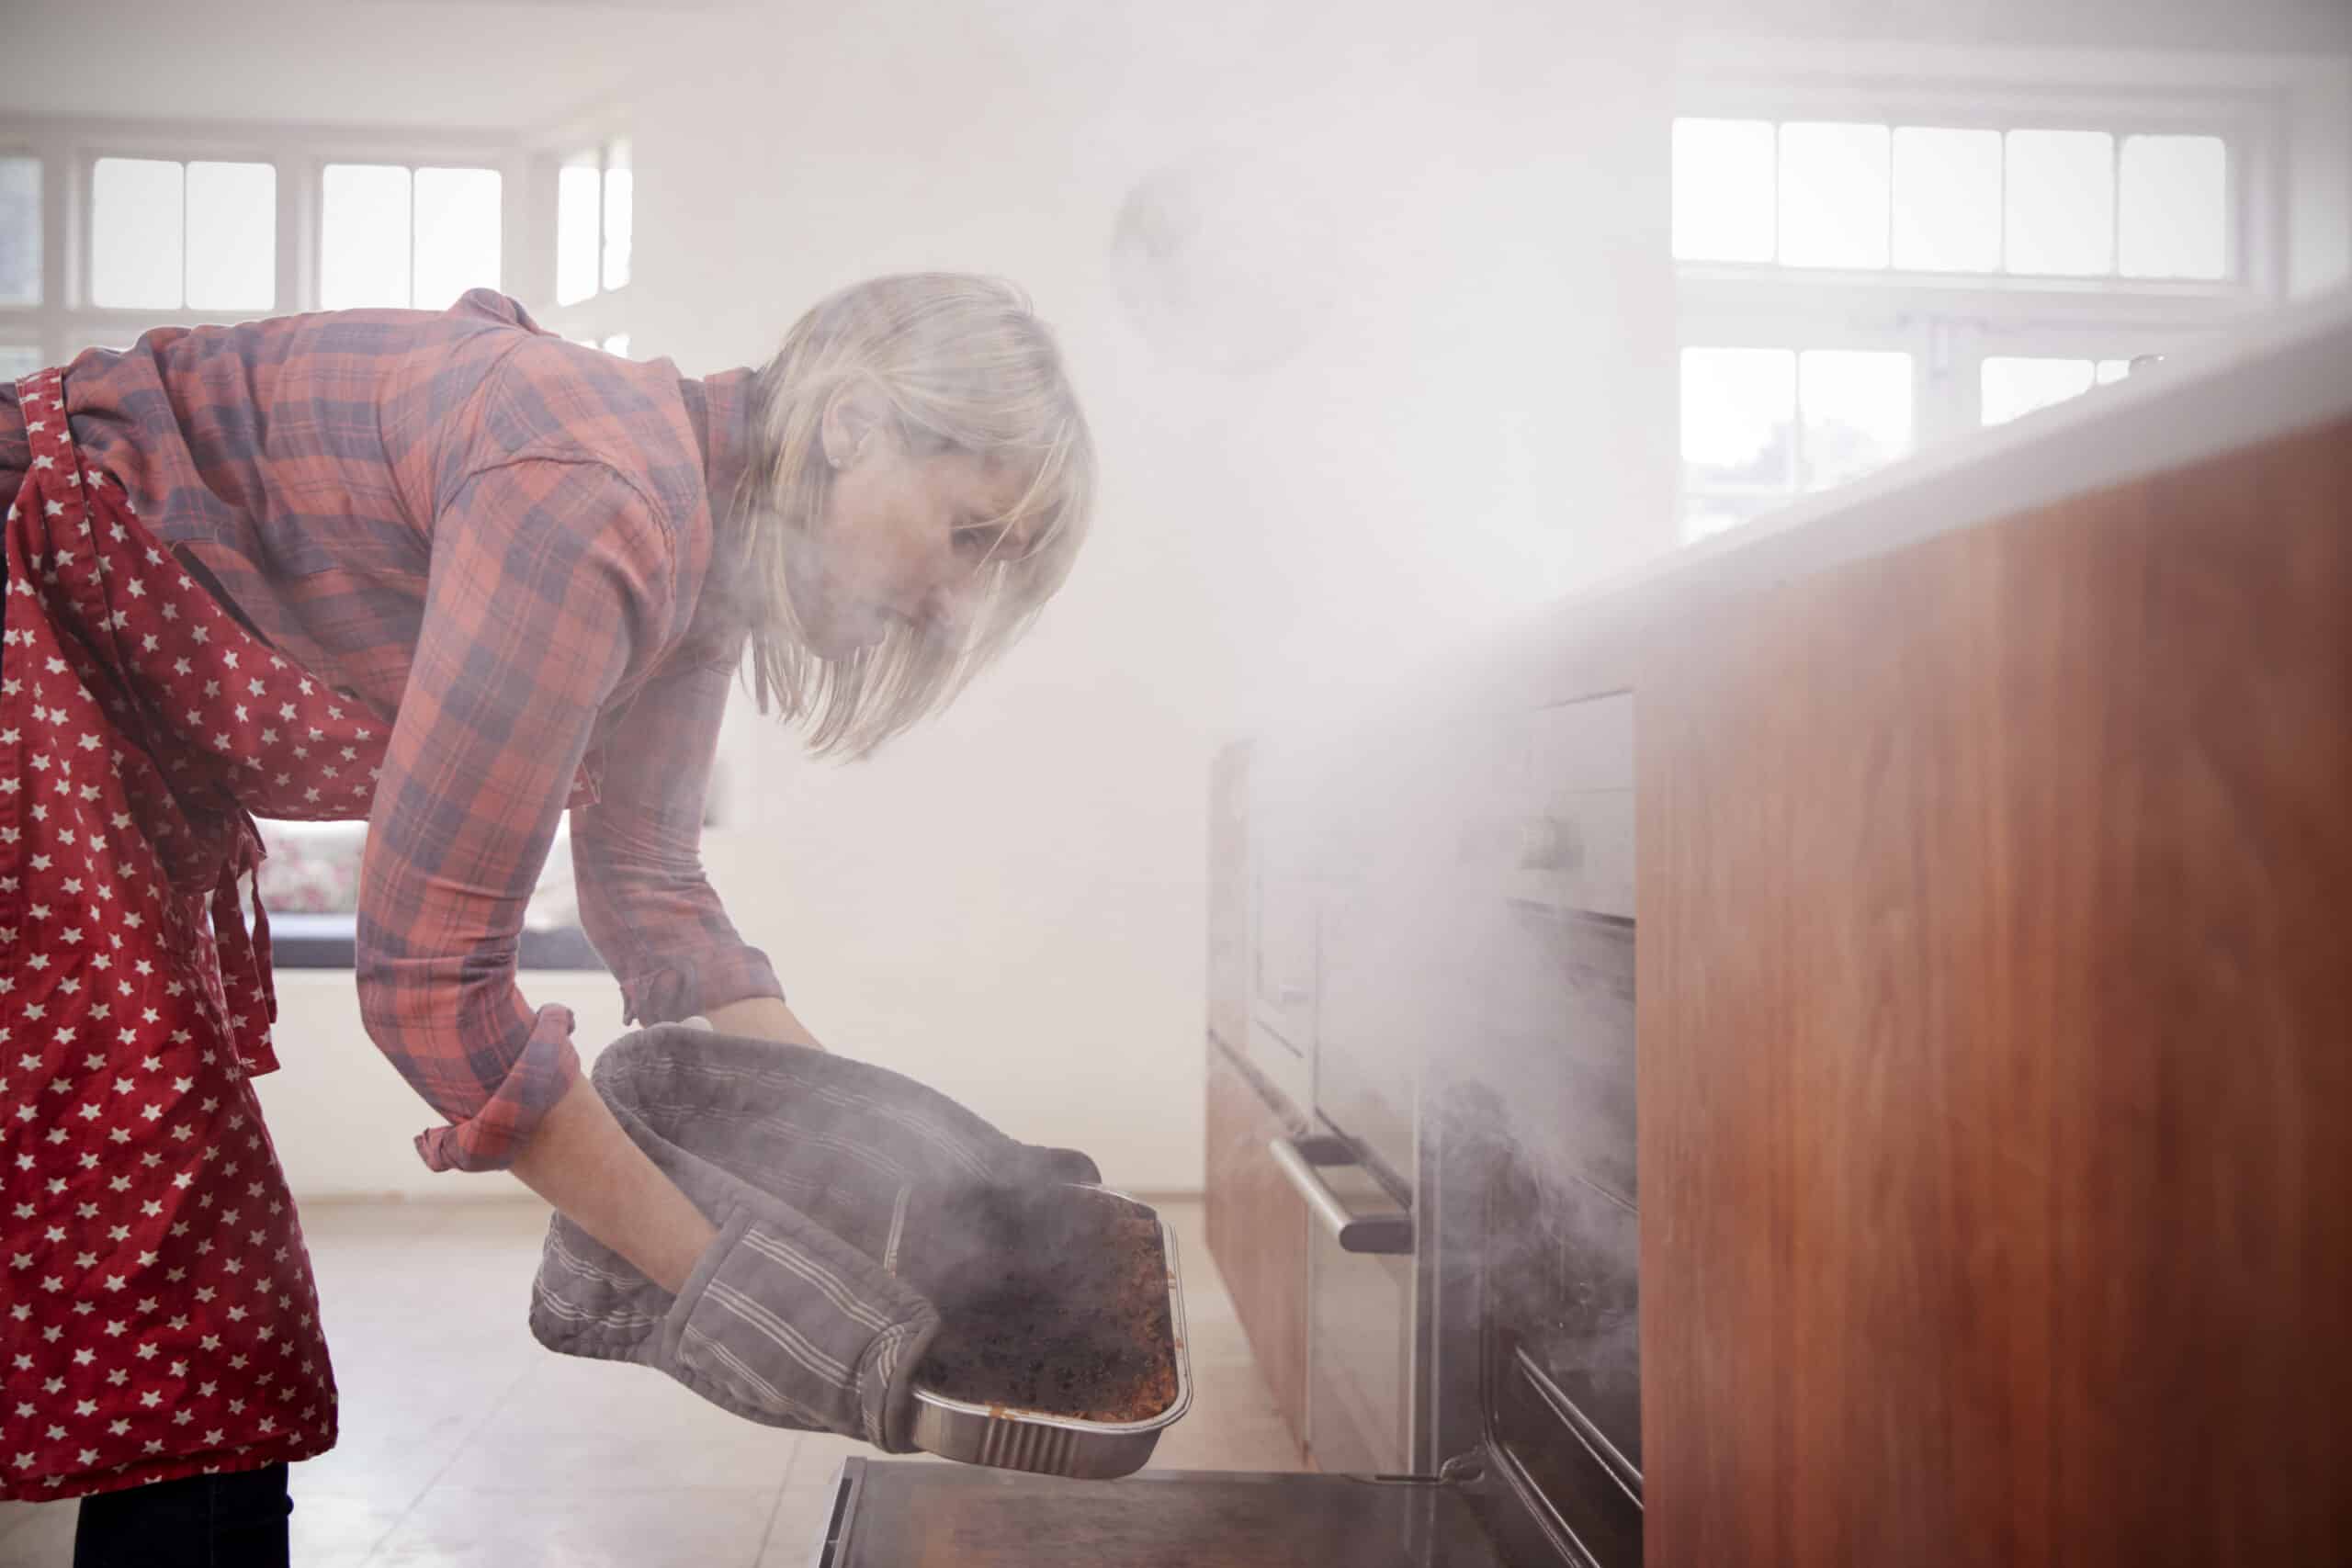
x=720 y=408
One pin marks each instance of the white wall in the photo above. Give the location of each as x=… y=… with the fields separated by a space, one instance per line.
x=437 y=63
x=1010 y=904
x=344 y=1121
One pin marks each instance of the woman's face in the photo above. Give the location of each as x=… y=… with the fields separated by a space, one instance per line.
x=902 y=538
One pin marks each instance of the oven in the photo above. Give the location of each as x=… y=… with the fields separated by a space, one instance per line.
x=1531 y=1211
x=1443 y=964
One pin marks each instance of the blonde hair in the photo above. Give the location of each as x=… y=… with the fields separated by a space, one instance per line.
x=962 y=364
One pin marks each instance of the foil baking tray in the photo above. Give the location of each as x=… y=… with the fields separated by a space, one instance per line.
x=1042 y=1444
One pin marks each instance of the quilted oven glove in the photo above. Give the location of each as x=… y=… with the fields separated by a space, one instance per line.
x=799 y=1315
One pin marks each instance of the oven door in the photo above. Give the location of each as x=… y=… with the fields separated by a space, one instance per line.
x=1362 y=1309
x=1376 y=1003
x=1531 y=1198
x=904 y=1514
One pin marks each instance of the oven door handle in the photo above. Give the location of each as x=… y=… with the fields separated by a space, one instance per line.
x=1389 y=1232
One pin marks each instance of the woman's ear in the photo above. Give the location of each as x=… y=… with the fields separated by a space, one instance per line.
x=852 y=419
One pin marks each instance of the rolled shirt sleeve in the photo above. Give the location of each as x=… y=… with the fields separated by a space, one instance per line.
x=550 y=583
x=637 y=855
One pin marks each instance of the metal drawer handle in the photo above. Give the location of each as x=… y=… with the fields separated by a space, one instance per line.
x=1389 y=1233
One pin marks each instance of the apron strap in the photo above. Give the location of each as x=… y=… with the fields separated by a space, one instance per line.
x=245 y=957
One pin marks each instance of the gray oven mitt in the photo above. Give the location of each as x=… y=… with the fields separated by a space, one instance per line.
x=799 y=1315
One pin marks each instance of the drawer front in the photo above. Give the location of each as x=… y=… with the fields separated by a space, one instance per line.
x=1257 y=1233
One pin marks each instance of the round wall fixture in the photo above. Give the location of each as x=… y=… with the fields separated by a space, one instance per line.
x=1219 y=261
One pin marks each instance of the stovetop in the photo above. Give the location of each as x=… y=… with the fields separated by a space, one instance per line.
x=918 y=1515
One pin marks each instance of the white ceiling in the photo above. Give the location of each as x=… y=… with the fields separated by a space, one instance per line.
x=2236 y=26
x=525 y=64
x=510 y=64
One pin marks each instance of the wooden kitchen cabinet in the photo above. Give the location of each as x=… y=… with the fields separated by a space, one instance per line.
x=1257 y=1230
x=1996 y=1040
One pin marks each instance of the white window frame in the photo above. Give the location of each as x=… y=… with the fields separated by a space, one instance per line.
x=66 y=322
x=605 y=314
x=1951 y=322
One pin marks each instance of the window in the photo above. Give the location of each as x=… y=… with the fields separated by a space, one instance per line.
x=189 y=228
x=188 y=225
x=1761 y=425
x=1870 y=267
x=392 y=235
x=595 y=234
x=593 y=218
x=167 y=235
x=19 y=231
x=2029 y=202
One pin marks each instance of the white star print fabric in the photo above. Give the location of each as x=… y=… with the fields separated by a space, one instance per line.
x=157 y=1314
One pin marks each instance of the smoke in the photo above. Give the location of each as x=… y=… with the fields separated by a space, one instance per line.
x=1497 y=1017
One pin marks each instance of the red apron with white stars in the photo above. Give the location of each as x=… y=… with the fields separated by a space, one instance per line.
x=157 y=1314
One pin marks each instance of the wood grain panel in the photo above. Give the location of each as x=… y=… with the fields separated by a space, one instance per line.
x=1257 y=1233
x=1996 y=1042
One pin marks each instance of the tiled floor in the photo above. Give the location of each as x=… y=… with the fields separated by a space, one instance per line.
x=465 y=1444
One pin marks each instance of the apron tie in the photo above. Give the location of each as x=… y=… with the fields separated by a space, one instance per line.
x=245 y=956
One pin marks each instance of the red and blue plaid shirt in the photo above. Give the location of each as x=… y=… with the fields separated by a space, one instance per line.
x=499 y=541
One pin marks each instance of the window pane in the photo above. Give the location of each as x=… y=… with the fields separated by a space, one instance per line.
x=20 y=231
x=1723 y=190
x=364 y=237
x=1947 y=199
x=2013 y=387
x=18 y=360
x=457 y=228
x=135 y=234
x=1739 y=409
x=232 y=236
x=577 y=226
x=2113 y=370
x=2175 y=208
x=618 y=194
x=1833 y=195
x=1857 y=406
x=2061 y=209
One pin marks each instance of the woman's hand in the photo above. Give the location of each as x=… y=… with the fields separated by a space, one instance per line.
x=802 y=1312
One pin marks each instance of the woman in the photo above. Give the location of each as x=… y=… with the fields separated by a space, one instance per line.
x=455 y=575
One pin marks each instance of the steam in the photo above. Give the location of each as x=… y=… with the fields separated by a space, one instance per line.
x=1515 y=1020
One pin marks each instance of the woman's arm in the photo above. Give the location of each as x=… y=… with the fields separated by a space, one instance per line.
x=645 y=902
x=545 y=575
x=762 y=1018
x=583 y=1163
x=516 y=653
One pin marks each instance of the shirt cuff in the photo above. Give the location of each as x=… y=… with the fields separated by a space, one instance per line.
x=493 y=1135
x=694 y=982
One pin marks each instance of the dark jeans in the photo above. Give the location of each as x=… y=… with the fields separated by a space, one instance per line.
x=198 y=1522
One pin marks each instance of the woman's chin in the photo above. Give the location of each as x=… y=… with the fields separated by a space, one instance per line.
x=828 y=632
x=839 y=640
